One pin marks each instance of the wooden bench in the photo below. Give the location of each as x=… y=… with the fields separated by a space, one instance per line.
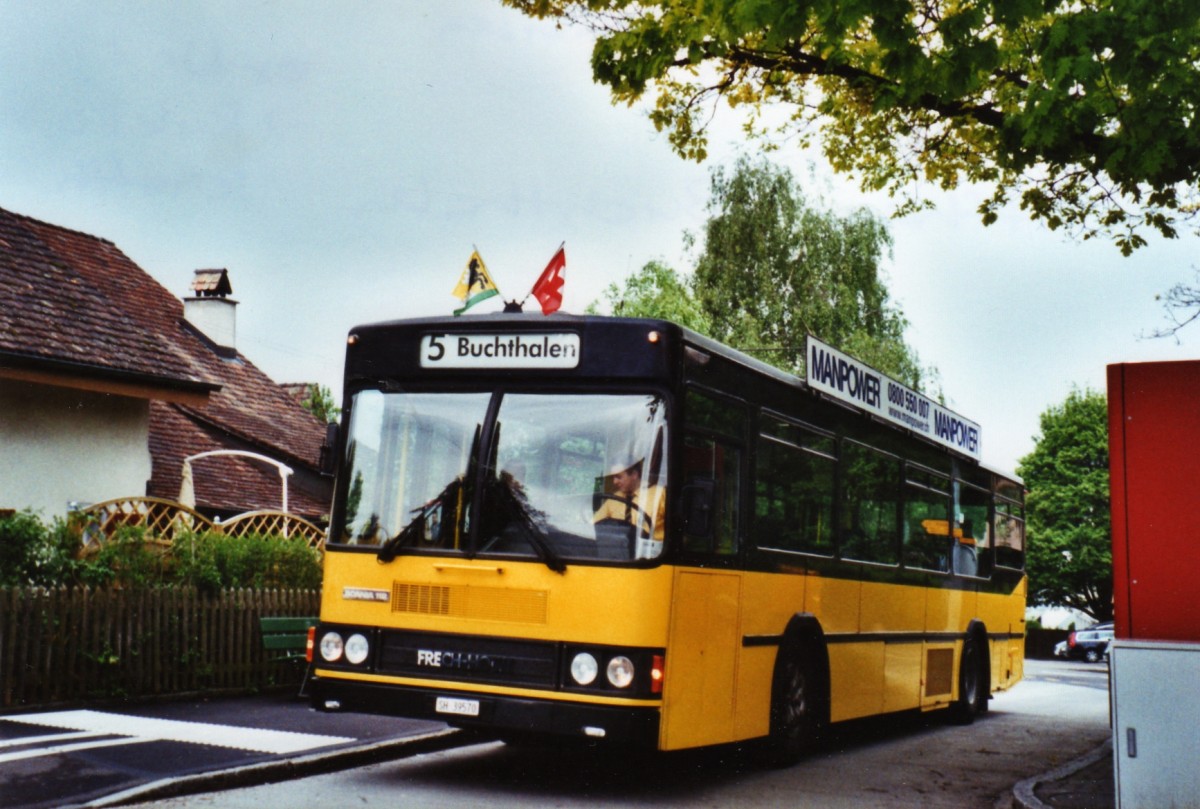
x=286 y=635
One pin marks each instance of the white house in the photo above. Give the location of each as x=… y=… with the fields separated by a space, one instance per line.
x=105 y=385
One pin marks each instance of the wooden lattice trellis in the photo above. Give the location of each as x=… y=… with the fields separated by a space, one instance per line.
x=273 y=522
x=164 y=519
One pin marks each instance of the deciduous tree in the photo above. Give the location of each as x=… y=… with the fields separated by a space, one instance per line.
x=658 y=291
x=1069 y=548
x=773 y=267
x=1083 y=110
x=319 y=402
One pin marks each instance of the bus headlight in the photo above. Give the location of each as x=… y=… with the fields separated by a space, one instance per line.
x=331 y=647
x=356 y=648
x=584 y=668
x=620 y=671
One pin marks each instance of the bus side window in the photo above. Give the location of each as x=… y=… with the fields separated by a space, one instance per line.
x=794 y=489
x=1010 y=535
x=712 y=456
x=926 y=520
x=710 y=462
x=971 y=530
x=870 y=494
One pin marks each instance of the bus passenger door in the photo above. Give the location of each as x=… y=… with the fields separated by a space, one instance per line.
x=698 y=698
x=705 y=631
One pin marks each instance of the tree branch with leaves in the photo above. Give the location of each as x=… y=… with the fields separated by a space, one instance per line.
x=1083 y=112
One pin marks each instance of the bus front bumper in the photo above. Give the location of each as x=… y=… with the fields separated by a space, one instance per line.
x=503 y=715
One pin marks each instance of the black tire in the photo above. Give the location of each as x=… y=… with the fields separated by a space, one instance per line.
x=1091 y=656
x=972 y=684
x=797 y=697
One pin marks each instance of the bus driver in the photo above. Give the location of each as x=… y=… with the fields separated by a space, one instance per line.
x=641 y=506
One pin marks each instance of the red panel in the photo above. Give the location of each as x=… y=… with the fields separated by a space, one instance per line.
x=1117 y=493
x=1154 y=437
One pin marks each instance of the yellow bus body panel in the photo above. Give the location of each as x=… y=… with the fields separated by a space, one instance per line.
x=699 y=696
x=717 y=685
x=620 y=606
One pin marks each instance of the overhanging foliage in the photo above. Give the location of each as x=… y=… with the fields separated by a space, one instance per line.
x=1083 y=112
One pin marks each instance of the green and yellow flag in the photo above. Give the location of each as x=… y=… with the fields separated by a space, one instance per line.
x=475 y=285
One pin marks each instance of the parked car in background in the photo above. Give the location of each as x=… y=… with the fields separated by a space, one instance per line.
x=1060 y=649
x=1090 y=644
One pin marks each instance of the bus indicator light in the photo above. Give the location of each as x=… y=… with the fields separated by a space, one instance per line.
x=653 y=337
x=656 y=674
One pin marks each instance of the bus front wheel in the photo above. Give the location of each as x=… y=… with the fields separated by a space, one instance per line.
x=795 y=707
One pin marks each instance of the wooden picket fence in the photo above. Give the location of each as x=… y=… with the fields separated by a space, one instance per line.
x=65 y=645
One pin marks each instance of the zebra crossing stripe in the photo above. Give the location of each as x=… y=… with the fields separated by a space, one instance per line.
x=55 y=749
x=53 y=737
x=141 y=728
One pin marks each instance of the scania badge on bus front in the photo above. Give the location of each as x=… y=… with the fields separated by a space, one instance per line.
x=484 y=350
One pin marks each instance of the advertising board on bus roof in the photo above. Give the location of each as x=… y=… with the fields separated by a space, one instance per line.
x=848 y=380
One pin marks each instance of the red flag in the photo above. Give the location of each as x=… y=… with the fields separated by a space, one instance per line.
x=548 y=289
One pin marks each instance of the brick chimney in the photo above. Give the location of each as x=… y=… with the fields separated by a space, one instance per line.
x=211 y=312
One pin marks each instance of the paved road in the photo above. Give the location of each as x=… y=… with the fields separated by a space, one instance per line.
x=1071 y=672
x=63 y=758
x=1059 y=713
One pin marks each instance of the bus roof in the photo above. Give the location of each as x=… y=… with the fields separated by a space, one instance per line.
x=687 y=337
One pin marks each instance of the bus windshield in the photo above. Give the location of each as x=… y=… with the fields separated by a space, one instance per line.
x=563 y=477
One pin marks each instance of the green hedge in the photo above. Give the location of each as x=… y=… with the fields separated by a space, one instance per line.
x=32 y=553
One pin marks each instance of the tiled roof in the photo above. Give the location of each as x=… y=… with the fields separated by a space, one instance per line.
x=73 y=300
x=252 y=408
x=297 y=390
x=67 y=297
x=226 y=484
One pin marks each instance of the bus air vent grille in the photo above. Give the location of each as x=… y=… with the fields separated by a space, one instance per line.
x=466 y=601
x=939 y=671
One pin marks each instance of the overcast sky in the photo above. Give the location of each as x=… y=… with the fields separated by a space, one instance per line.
x=342 y=159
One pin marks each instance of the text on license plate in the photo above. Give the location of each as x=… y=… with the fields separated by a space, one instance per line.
x=461 y=707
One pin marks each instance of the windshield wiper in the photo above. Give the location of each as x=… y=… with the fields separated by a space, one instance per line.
x=415 y=529
x=409 y=533
x=515 y=506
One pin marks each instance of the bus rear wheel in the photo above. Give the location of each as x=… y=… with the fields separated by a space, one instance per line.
x=795 y=708
x=972 y=684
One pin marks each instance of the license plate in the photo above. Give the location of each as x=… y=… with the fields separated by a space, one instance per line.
x=461 y=707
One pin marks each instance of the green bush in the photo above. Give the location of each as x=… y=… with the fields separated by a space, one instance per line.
x=32 y=554
x=212 y=561
x=128 y=559
x=23 y=540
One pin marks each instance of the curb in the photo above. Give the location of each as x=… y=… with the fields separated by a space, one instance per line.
x=265 y=772
x=1023 y=795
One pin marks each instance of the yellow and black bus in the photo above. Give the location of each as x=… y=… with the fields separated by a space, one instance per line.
x=617 y=529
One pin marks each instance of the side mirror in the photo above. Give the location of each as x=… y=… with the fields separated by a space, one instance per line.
x=328 y=459
x=698 y=499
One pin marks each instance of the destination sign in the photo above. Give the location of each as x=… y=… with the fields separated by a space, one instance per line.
x=846 y=379
x=492 y=351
